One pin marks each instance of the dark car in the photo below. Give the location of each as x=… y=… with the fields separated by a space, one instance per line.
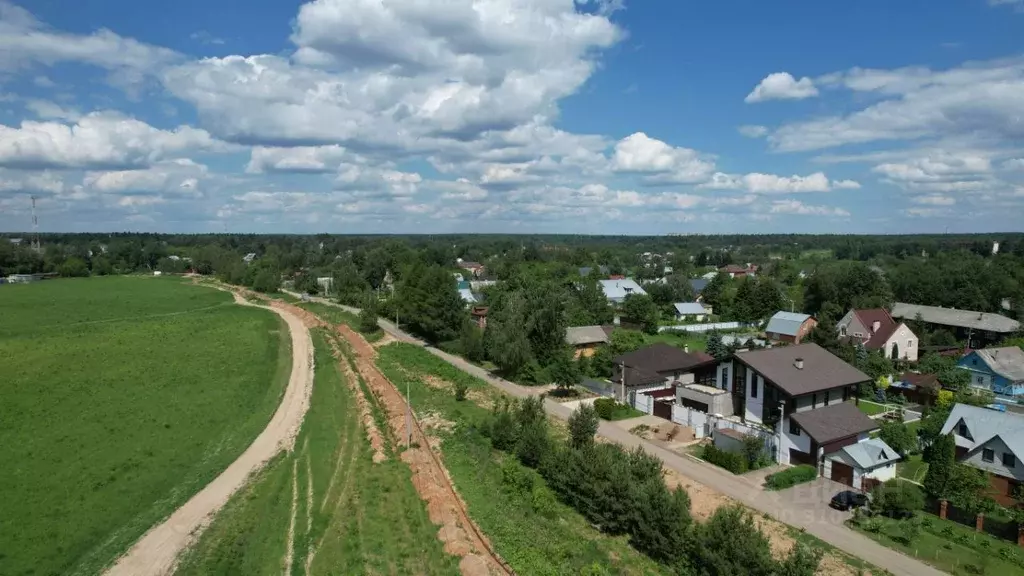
x=848 y=499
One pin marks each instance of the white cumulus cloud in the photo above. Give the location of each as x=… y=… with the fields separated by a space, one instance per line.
x=782 y=86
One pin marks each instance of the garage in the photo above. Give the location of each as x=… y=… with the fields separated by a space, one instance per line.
x=798 y=457
x=663 y=409
x=842 y=473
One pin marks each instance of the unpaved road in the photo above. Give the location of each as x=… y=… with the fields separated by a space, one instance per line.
x=157 y=551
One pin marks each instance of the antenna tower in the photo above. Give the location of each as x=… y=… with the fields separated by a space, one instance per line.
x=35 y=227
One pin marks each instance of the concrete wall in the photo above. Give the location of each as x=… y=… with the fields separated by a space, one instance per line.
x=720 y=403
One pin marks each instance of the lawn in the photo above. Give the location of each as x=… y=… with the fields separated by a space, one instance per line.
x=952 y=547
x=913 y=468
x=122 y=397
x=365 y=518
x=695 y=342
x=532 y=531
x=336 y=315
x=871 y=408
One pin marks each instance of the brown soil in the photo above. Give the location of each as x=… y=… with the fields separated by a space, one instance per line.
x=444 y=506
x=385 y=340
x=365 y=412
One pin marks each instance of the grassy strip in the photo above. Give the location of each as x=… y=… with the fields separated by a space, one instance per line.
x=365 y=518
x=534 y=532
x=123 y=397
x=335 y=315
x=949 y=546
x=816 y=543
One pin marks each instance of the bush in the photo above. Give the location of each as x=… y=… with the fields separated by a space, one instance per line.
x=791 y=477
x=583 y=425
x=460 y=390
x=731 y=461
x=896 y=499
x=605 y=408
x=368 y=316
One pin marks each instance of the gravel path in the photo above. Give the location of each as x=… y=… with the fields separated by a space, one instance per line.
x=156 y=553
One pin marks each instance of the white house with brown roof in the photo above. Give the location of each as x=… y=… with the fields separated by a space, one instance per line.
x=876 y=329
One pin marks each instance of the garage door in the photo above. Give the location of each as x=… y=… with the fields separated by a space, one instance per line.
x=842 y=473
x=798 y=457
x=663 y=409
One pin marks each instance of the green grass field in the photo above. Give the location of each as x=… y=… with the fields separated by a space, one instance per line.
x=365 y=518
x=696 y=342
x=120 y=398
x=533 y=532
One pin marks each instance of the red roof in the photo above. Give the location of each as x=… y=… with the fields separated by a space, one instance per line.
x=886 y=327
x=616 y=277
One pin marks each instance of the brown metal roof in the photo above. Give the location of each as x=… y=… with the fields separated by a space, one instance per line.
x=926 y=381
x=636 y=376
x=660 y=393
x=834 y=422
x=661 y=357
x=821 y=370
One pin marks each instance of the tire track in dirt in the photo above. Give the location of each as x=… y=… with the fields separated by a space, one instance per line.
x=289 y=551
x=157 y=551
x=459 y=534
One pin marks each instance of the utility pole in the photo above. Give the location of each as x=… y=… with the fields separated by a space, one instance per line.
x=408 y=416
x=35 y=228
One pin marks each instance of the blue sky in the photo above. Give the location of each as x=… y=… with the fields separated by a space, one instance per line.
x=585 y=116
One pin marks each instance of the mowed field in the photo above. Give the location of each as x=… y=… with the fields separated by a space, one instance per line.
x=326 y=508
x=120 y=398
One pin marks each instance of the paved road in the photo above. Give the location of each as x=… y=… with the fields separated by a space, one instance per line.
x=802 y=507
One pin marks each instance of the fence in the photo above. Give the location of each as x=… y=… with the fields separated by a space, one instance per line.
x=601 y=388
x=704 y=424
x=1003 y=529
x=703 y=327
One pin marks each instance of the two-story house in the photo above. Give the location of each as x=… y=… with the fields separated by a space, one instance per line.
x=992 y=441
x=875 y=329
x=996 y=370
x=803 y=392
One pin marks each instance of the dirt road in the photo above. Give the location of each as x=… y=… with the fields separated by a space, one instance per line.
x=157 y=551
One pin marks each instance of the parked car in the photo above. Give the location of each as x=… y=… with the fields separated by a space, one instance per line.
x=848 y=499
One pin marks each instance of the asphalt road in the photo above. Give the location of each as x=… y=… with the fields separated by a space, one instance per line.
x=801 y=507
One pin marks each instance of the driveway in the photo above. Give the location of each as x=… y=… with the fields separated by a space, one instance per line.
x=800 y=508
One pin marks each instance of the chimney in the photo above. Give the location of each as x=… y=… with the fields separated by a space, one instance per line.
x=875 y=326
x=799 y=363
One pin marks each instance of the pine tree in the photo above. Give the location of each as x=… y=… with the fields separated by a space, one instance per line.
x=941 y=459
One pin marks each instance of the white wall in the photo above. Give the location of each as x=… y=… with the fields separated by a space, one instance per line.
x=882 y=473
x=727 y=384
x=802 y=442
x=901 y=337
x=754 y=407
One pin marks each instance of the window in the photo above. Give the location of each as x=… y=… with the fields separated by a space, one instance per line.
x=1009 y=460
x=725 y=377
x=962 y=430
x=794 y=429
x=980 y=380
x=753 y=386
x=858 y=334
x=974 y=361
x=987 y=455
x=842 y=330
x=814 y=401
x=910 y=344
x=846 y=394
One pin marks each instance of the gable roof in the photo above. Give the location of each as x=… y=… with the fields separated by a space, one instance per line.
x=871 y=453
x=661 y=357
x=985 y=424
x=834 y=422
x=617 y=289
x=925 y=381
x=954 y=317
x=698 y=285
x=868 y=317
x=822 y=370
x=686 y=308
x=1007 y=361
x=879 y=338
x=577 y=335
x=787 y=323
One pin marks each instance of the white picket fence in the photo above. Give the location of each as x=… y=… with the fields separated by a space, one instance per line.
x=702 y=327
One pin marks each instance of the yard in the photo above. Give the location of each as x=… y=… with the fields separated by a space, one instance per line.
x=913 y=468
x=122 y=397
x=951 y=547
x=871 y=408
x=352 y=516
x=696 y=342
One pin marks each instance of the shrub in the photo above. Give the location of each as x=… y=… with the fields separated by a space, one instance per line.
x=731 y=461
x=897 y=499
x=605 y=408
x=583 y=425
x=791 y=477
x=909 y=531
x=461 y=388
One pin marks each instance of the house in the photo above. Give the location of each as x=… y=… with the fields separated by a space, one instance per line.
x=617 y=290
x=875 y=329
x=585 y=340
x=690 y=311
x=710 y=275
x=789 y=327
x=736 y=271
x=698 y=285
x=659 y=366
x=586 y=270
x=248 y=258
x=996 y=370
x=15 y=241
x=977 y=328
x=475 y=268
x=801 y=392
x=992 y=441
x=917 y=388
x=862 y=465
x=467 y=296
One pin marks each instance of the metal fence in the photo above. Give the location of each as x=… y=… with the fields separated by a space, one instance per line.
x=708 y=327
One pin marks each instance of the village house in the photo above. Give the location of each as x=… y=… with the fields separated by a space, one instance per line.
x=691 y=311
x=616 y=290
x=992 y=441
x=976 y=328
x=585 y=340
x=790 y=327
x=660 y=366
x=736 y=271
x=875 y=329
x=803 y=393
x=474 y=268
x=996 y=370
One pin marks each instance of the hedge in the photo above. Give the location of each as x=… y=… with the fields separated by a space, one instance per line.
x=791 y=477
x=731 y=461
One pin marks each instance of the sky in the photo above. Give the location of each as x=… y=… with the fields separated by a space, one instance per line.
x=512 y=116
